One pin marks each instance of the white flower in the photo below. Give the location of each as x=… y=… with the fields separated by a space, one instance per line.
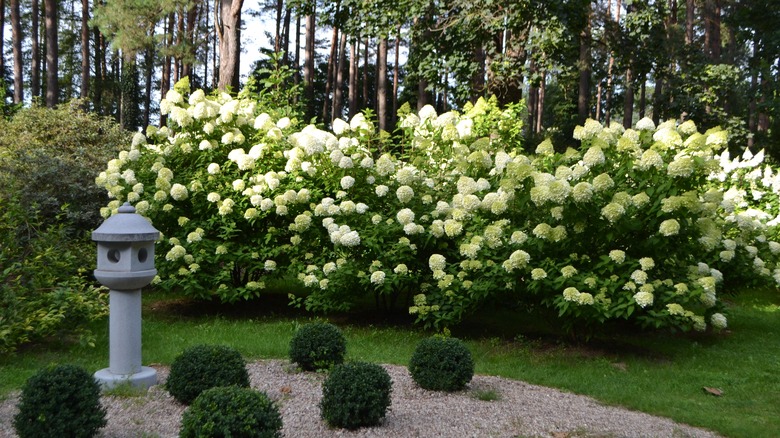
x=669 y=227
x=179 y=192
x=613 y=211
x=650 y=158
x=718 y=321
x=538 y=274
x=593 y=156
x=381 y=190
x=404 y=194
x=401 y=269
x=347 y=182
x=405 y=216
x=437 y=262
x=617 y=256
x=643 y=299
x=378 y=277
x=646 y=124
x=351 y=238
x=646 y=263
x=340 y=126
x=283 y=123
x=568 y=271
x=175 y=253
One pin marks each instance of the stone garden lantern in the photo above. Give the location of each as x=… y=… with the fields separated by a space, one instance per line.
x=125 y=264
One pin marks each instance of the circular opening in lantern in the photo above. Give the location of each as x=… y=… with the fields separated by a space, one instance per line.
x=142 y=255
x=114 y=255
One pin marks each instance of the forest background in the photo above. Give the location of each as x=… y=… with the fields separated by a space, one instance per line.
x=711 y=61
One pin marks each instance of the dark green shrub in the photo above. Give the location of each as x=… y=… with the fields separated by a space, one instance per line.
x=203 y=367
x=441 y=364
x=317 y=346
x=356 y=394
x=51 y=157
x=45 y=290
x=231 y=412
x=61 y=401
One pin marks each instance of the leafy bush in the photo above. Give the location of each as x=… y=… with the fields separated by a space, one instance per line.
x=318 y=345
x=61 y=401
x=638 y=225
x=51 y=158
x=202 y=367
x=45 y=287
x=231 y=411
x=442 y=364
x=355 y=395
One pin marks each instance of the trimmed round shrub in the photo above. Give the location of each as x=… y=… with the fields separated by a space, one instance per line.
x=61 y=401
x=442 y=364
x=356 y=394
x=317 y=346
x=231 y=411
x=203 y=367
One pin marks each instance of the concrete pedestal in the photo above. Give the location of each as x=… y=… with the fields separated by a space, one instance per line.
x=124 y=357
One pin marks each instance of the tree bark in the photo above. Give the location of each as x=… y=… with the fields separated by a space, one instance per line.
x=165 y=83
x=35 y=56
x=148 y=77
x=353 y=77
x=84 y=92
x=642 y=101
x=99 y=60
x=278 y=34
x=16 y=36
x=365 y=73
x=330 y=73
x=229 y=32
x=396 y=74
x=308 y=62
x=193 y=15
x=2 y=40
x=381 y=89
x=628 y=101
x=540 y=102
x=690 y=14
x=478 y=78
x=52 y=53
x=533 y=95
x=338 y=91
x=286 y=37
x=583 y=96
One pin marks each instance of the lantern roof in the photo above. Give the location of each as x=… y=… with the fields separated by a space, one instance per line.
x=126 y=226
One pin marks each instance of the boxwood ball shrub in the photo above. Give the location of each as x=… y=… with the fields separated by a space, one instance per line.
x=318 y=345
x=61 y=401
x=441 y=364
x=356 y=394
x=203 y=367
x=231 y=412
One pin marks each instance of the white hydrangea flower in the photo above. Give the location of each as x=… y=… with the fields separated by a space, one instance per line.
x=669 y=227
x=644 y=299
x=437 y=262
x=381 y=190
x=718 y=321
x=405 y=216
x=646 y=124
x=404 y=194
x=378 y=277
x=347 y=182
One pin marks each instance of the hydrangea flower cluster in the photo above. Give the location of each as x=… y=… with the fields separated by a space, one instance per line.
x=641 y=224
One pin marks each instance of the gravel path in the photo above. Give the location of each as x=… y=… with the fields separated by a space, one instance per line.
x=521 y=410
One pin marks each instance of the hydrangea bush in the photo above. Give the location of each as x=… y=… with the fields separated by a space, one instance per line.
x=638 y=224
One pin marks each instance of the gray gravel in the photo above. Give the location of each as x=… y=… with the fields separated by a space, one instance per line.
x=520 y=410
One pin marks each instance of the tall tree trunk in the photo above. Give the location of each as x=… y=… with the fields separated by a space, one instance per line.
x=2 y=40
x=99 y=60
x=608 y=97
x=752 y=117
x=338 y=90
x=286 y=37
x=278 y=33
x=711 y=18
x=84 y=92
x=52 y=54
x=628 y=101
x=657 y=96
x=16 y=36
x=365 y=73
x=354 y=56
x=583 y=96
x=642 y=101
x=165 y=83
x=177 y=67
x=193 y=15
x=540 y=102
x=35 y=56
x=330 y=73
x=533 y=94
x=148 y=77
x=297 y=76
x=229 y=32
x=690 y=15
x=128 y=108
x=396 y=74
x=381 y=89
x=308 y=62
x=478 y=78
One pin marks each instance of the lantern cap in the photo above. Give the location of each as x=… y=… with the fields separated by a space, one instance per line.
x=126 y=226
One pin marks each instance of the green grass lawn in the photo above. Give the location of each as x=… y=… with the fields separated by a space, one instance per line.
x=656 y=373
